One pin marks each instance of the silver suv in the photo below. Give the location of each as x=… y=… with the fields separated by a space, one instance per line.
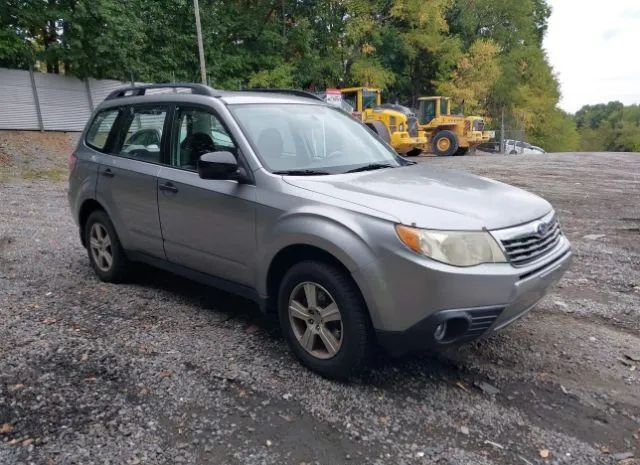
x=291 y=203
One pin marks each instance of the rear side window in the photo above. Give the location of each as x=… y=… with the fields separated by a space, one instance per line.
x=141 y=133
x=101 y=128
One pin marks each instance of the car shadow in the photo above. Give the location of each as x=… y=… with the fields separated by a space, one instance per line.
x=386 y=371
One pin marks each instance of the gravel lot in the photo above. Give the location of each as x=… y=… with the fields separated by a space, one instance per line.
x=165 y=371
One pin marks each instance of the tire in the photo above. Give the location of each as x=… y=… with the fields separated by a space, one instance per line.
x=461 y=151
x=355 y=340
x=414 y=152
x=513 y=152
x=442 y=138
x=381 y=130
x=97 y=224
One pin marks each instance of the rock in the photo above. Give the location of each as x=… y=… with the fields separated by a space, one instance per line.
x=544 y=453
x=6 y=428
x=486 y=388
x=560 y=304
x=464 y=430
x=593 y=237
x=268 y=443
x=620 y=456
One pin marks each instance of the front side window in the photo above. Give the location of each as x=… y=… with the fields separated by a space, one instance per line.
x=296 y=137
x=141 y=133
x=443 y=106
x=100 y=129
x=198 y=132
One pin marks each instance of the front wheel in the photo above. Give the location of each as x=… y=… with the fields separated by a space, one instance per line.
x=445 y=143
x=324 y=319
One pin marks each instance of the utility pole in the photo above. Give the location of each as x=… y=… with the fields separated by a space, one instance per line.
x=502 y=148
x=203 y=72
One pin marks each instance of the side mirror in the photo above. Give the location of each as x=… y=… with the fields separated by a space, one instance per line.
x=218 y=165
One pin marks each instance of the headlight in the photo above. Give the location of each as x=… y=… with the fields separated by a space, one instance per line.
x=458 y=248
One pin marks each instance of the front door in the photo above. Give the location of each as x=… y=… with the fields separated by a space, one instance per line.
x=207 y=225
x=127 y=181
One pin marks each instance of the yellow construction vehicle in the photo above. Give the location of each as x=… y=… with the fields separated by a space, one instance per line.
x=449 y=134
x=395 y=124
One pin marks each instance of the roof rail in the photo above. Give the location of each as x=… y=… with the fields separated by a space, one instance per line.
x=296 y=92
x=130 y=91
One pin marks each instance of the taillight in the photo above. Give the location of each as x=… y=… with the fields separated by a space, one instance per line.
x=72 y=162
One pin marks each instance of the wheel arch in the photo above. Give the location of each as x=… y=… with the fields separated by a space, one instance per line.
x=289 y=256
x=311 y=234
x=87 y=207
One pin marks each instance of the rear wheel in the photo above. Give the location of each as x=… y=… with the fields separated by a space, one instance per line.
x=445 y=143
x=379 y=128
x=105 y=252
x=324 y=319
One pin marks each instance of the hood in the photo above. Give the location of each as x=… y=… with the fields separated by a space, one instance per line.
x=432 y=197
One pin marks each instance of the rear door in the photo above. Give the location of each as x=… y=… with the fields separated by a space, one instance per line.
x=128 y=177
x=207 y=225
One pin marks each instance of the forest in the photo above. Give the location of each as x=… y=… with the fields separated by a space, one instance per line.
x=485 y=54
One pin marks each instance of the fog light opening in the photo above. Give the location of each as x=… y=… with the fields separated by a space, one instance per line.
x=451 y=330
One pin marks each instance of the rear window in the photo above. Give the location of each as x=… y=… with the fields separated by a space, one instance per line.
x=100 y=128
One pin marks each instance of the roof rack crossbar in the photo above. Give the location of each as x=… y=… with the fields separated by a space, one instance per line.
x=130 y=91
x=296 y=92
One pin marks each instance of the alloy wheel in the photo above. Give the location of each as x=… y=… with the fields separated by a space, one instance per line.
x=100 y=246
x=315 y=320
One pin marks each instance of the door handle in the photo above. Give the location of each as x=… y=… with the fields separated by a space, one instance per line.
x=169 y=187
x=108 y=173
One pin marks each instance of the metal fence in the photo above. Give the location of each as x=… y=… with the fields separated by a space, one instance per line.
x=49 y=102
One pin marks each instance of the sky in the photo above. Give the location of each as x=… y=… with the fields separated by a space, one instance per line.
x=593 y=48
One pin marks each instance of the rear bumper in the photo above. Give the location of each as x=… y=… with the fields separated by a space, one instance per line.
x=475 y=304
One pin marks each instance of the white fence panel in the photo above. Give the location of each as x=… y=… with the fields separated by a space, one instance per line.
x=100 y=88
x=64 y=102
x=17 y=103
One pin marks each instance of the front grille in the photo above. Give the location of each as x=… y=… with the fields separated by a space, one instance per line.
x=412 y=121
x=482 y=320
x=528 y=248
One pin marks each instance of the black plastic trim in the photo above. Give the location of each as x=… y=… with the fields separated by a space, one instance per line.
x=420 y=335
x=203 y=278
x=131 y=91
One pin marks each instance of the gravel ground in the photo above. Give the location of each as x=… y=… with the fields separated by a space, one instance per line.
x=165 y=371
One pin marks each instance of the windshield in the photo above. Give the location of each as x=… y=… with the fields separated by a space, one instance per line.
x=299 y=137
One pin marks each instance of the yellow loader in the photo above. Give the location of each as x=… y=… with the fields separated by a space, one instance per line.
x=395 y=124
x=449 y=134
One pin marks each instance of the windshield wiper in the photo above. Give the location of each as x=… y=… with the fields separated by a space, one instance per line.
x=371 y=166
x=301 y=172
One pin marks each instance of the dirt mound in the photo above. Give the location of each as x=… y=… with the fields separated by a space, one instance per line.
x=32 y=154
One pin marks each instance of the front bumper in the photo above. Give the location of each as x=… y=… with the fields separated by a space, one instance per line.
x=414 y=295
x=479 y=137
x=402 y=142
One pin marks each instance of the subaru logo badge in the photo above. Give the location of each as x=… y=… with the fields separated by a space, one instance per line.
x=542 y=228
